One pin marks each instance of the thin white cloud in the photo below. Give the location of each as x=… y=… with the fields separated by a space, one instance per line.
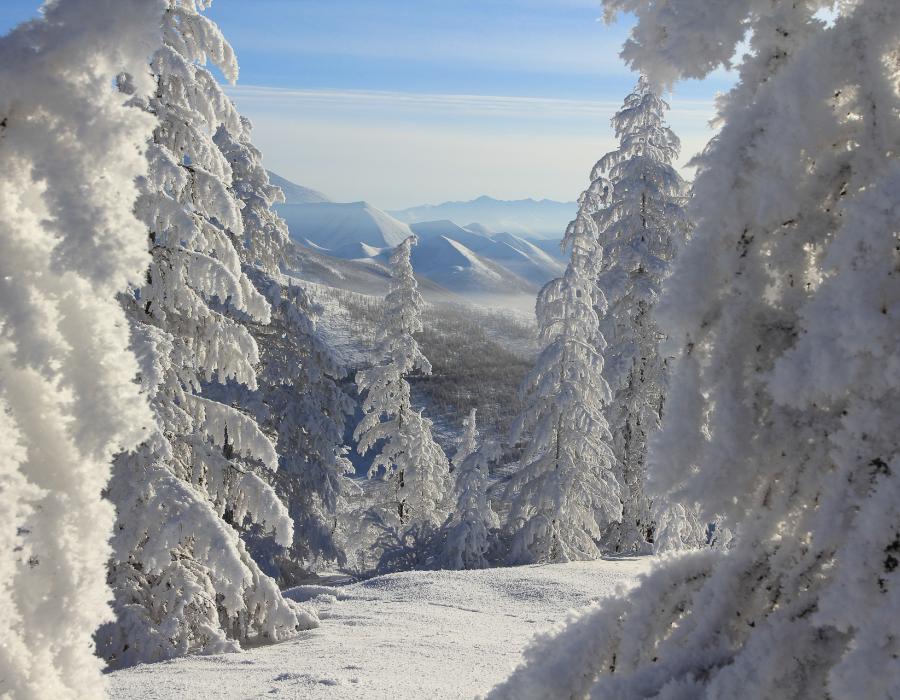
x=486 y=105
x=402 y=149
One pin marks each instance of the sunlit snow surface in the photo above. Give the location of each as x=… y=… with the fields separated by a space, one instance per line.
x=444 y=634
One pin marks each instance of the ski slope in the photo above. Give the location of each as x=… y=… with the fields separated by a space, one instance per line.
x=438 y=634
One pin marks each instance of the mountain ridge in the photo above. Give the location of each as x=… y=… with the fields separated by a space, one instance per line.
x=540 y=218
x=470 y=260
x=294 y=193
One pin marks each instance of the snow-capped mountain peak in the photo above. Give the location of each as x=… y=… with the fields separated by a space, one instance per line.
x=466 y=260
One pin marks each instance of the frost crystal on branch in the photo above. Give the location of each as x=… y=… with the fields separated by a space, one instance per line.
x=70 y=151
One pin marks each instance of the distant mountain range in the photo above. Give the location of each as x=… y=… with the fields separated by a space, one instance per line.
x=353 y=230
x=357 y=237
x=532 y=218
x=517 y=259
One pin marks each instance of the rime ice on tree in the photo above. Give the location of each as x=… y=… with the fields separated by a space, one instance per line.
x=297 y=398
x=782 y=415
x=566 y=493
x=466 y=536
x=182 y=578
x=468 y=442
x=264 y=240
x=640 y=230
x=408 y=456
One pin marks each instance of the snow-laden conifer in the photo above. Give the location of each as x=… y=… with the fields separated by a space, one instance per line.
x=297 y=399
x=264 y=241
x=182 y=578
x=640 y=230
x=782 y=414
x=408 y=457
x=303 y=403
x=565 y=493
x=467 y=535
x=70 y=152
x=468 y=441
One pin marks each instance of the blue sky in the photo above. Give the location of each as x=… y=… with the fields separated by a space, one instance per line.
x=404 y=102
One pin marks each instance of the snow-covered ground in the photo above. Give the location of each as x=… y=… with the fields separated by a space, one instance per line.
x=440 y=634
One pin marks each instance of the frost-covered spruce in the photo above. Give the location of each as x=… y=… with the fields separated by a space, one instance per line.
x=69 y=244
x=302 y=402
x=782 y=413
x=409 y=458
x=565 y=495
x=298 y=398
x=468 y=441
x=265 y=240
x=640 y=230
x=678 y=526
x=467 y=535
x=182 y=578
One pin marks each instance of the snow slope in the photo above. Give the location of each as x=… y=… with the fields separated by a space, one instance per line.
x=553 y=248
x=294 y=193
x=341 y=229
x=365 y=276
x=455 y=266
x=513 y=253
x=543 y=218
x=435 y=634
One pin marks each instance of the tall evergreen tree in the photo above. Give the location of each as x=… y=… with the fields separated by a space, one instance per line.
x=640 y=230
x=71 y=151
x=782 y=415
x=566 y=492
x=182 y=578
x=408 y=456
x=298 y=398
x=468 y=441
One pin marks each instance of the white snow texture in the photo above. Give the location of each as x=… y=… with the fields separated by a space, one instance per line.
x=69 y=243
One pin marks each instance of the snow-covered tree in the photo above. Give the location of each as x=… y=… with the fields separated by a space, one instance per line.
x=298 y=398
x=265 y=241
x=677 y=526
x=782 y=414
x=182 y=578
x=309 y=409
x=640 y=230
x=407 y=455
x=468 y=441
x=71 y=151
x=566 y=493
x=466 y=536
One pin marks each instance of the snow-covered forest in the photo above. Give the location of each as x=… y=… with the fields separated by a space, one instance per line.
x=255 y=442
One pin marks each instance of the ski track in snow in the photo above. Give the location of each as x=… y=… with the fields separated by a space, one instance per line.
x=420 y=634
